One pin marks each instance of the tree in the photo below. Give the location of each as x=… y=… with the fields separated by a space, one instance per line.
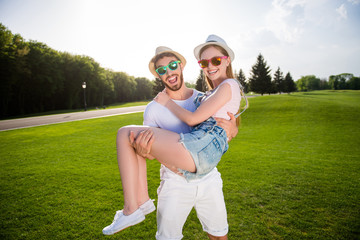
x=36 y=78
x=13 y=72
x=339 y=81
x=190 y=85
x=308 y=83
x=125 y=87
x=200 y=83
x=278 y=81
x=45 y=78
x=324 y=84
x=143 y=89
x=354 y=83
x=260 y=79
x=158 y=86
x=334 y=82
x=73 y=80
x=289 y=84
x=6 y=75
x=242 y=80
x=108 y=88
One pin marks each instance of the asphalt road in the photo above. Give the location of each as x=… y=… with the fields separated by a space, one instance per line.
x=66 y=117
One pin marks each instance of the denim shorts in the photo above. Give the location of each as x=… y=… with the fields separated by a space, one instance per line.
x=206 y=143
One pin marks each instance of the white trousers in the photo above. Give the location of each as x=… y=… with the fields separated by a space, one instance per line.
x=176 y=198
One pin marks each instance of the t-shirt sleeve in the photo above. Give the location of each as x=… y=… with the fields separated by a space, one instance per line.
x=233 y=83
x=149 y=118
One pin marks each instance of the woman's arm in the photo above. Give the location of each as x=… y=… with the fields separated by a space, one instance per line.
x=207 y=108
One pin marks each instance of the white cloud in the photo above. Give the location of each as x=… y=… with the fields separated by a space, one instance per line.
x=342 y=12
x=355 y=2
x=286 y=19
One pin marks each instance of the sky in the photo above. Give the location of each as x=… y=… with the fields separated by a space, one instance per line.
x=303 y=37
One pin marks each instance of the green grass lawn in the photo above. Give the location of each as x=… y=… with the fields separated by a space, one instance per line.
x=293 y=172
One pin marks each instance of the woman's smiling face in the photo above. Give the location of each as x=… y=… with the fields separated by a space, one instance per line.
x=215 y=72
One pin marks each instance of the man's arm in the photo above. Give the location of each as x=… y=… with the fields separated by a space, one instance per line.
x=143 y=142
x=229 y=126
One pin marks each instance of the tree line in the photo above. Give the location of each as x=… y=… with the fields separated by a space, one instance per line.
x=261 y=81
x=335 y=82
x=35 y=78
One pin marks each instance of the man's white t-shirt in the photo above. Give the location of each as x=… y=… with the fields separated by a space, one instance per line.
x=156 y=115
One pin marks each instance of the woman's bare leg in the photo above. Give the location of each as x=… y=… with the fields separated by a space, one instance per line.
x=166 y=149
x=129 y=171
x=143 y=194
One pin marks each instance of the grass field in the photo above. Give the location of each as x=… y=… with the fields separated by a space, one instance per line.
x=293 y=172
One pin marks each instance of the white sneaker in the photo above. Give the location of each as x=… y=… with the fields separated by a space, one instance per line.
x=122 y=221
x=148 y=206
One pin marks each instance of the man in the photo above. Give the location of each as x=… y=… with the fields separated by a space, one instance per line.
x=176 y=196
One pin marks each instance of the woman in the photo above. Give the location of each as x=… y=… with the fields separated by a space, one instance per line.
x=204 y=146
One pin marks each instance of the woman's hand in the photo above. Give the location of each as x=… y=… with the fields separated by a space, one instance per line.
x=162 y=98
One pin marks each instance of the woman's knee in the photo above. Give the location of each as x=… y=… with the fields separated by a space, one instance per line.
x=123 y=131
x=123 y=134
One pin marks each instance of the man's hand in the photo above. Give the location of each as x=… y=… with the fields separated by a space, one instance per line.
x=229 y=126
x=142 y=143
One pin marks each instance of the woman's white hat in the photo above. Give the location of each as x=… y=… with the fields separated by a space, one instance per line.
x=214 y=40
x=160 y=50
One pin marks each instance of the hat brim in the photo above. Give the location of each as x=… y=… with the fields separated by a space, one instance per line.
x=227 y=49
x=152 y=64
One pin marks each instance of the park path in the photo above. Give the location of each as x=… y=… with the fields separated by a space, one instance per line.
x=66 y=117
